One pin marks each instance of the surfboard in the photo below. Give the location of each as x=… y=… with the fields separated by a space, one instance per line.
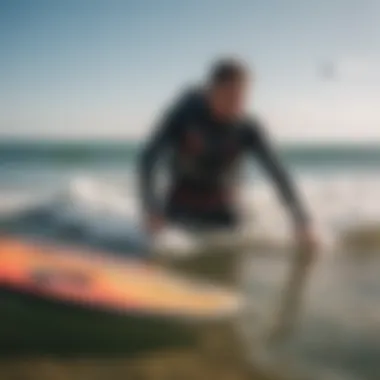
x=50 y=293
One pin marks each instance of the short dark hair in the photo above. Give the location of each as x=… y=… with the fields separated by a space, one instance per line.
x=227 y=70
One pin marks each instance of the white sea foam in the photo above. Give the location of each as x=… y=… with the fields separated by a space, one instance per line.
x=335 y=203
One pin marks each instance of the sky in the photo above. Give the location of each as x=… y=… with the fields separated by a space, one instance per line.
x=105 y=69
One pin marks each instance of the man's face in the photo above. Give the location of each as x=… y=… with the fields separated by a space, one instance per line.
x=228 y=100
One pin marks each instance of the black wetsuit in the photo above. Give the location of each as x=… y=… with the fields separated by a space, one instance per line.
x=203 y=159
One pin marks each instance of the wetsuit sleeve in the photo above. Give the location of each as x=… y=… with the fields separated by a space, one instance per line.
x=259 y=143
x=157 y=145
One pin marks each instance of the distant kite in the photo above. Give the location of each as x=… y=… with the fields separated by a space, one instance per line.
x=327 y=71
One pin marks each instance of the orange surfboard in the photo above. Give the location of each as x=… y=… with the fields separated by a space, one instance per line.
x=98 y=280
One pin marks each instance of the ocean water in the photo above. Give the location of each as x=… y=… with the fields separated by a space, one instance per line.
x=85 y=193
x=339 y=184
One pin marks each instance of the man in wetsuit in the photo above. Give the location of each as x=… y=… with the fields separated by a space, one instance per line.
x=204 y=137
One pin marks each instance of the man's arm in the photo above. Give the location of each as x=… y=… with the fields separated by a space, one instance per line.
x=294 y=288
x=262 y=147
x=157 y=145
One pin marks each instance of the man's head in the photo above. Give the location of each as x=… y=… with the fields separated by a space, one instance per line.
x=228 y=87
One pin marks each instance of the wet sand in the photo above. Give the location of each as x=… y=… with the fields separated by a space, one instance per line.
x=216 y=355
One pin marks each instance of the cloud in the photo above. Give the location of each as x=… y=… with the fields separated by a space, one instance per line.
x=338 y=116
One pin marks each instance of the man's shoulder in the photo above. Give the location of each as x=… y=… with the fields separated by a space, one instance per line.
x=190 y=99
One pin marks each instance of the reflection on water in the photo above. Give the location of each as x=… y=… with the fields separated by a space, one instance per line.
x=339 y=334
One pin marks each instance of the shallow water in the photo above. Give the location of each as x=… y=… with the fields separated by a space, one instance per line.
x=90 y=199
x=338 y=334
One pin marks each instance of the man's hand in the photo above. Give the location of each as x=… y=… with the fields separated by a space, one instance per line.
x=154 y=223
